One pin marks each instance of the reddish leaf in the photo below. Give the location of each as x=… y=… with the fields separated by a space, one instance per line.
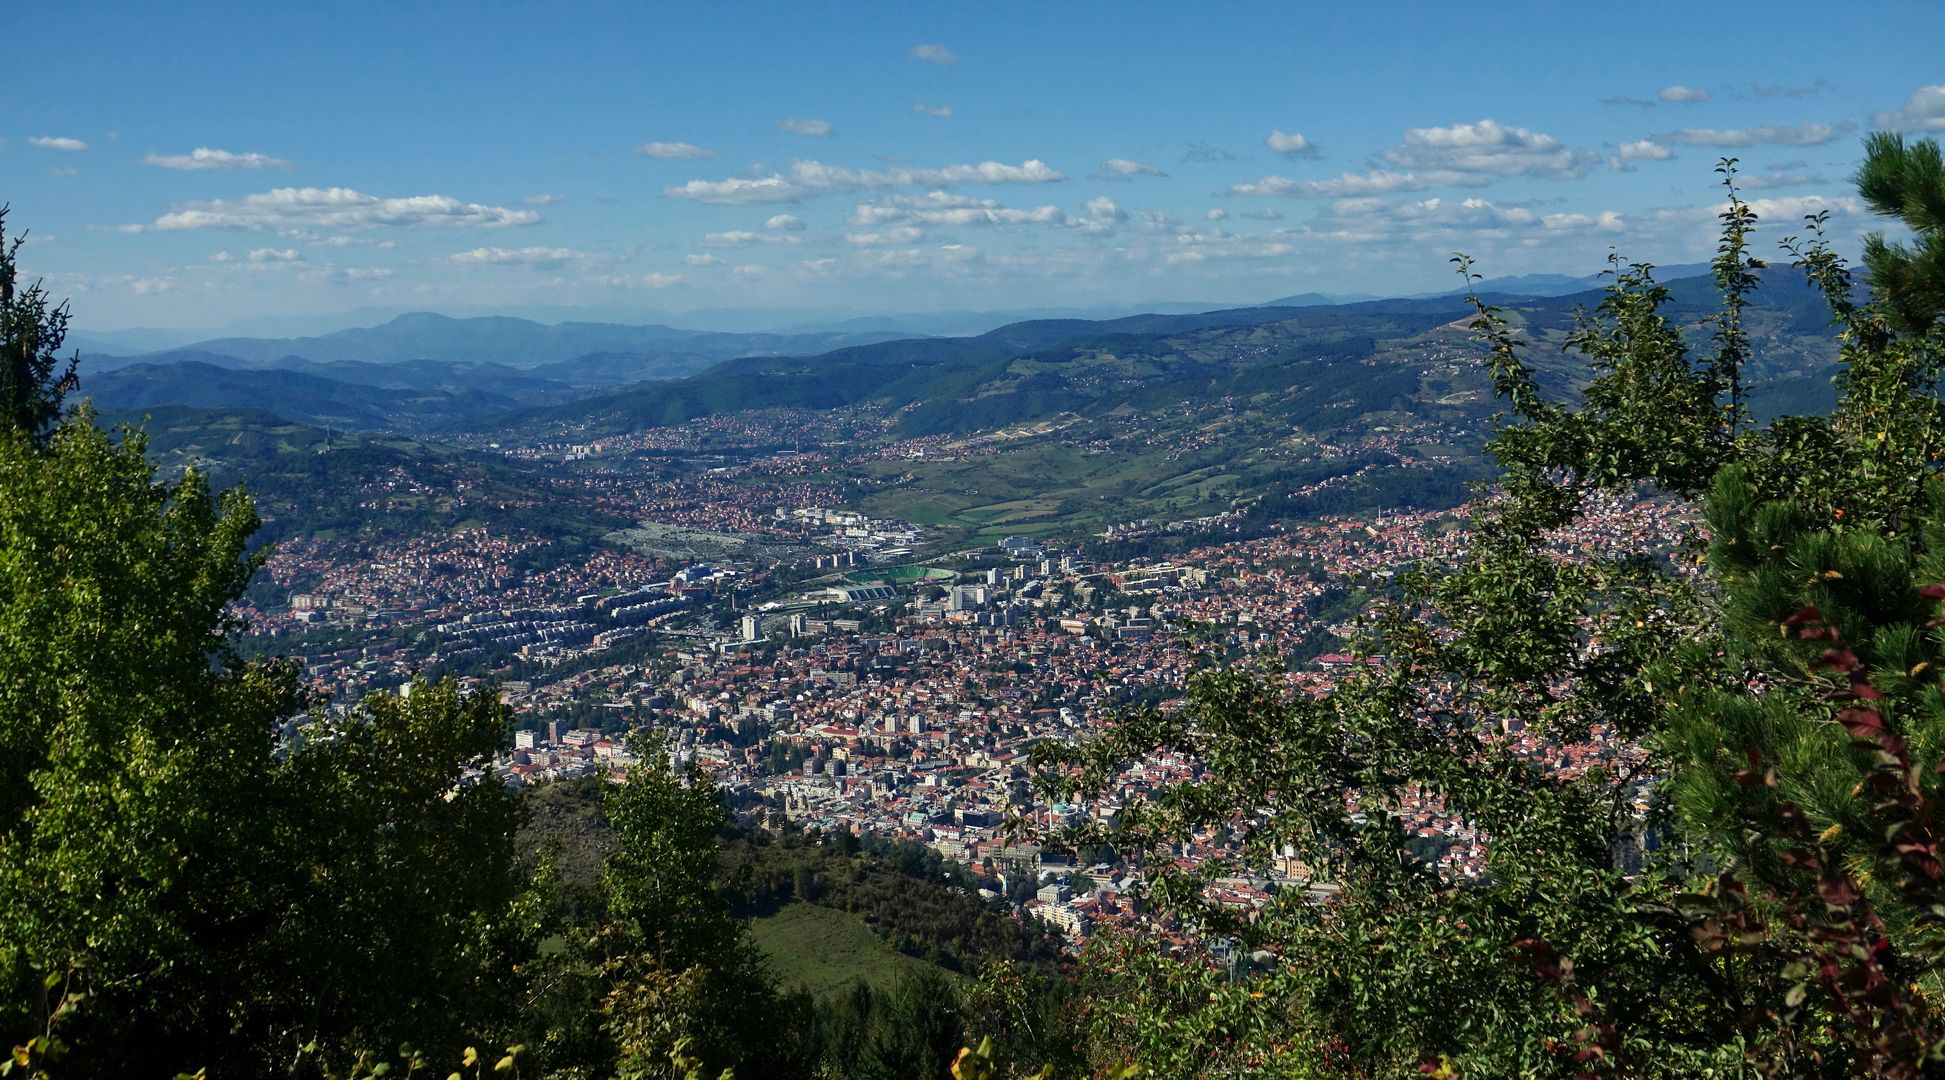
x=1860 y=722
x=1838 y=892
x=1839 y=659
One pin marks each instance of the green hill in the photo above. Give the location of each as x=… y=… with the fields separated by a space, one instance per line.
x=313 y=482
x=310 y=396
x=822 y=950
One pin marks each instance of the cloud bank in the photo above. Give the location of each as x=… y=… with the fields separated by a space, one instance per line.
x=806 y=179
x=286 y=209
x=205 y=158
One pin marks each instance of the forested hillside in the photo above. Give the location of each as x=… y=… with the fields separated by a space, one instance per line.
x=1293 y=363
x=313 y=481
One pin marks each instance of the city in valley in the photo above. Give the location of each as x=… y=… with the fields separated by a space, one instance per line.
x=835 y=671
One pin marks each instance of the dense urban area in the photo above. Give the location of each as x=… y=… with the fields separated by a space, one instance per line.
x=838 y=672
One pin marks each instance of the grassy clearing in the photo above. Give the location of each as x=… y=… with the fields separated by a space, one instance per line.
x=1016 y=510
x=825 y=950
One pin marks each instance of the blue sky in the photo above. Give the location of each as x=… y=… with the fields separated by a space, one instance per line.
x=187 y=165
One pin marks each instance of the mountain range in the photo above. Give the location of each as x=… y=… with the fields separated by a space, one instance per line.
x=1043 y=425
x=423 y=373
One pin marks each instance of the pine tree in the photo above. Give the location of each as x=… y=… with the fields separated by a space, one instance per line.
x=33 y=381
x=1906 y=182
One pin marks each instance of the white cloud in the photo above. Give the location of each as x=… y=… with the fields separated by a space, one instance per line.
x=748 y=270
x=1795 y=208
x=1492 y=148
x=934 y=54
x=1777 y=178
x=1291 y=144
x=946 y=208
x=539 y=257
x=1216 y=213
x=784 y=223
x=1737 y=138
x=204 y=158
x=61 y=170
x=55 y=142
x=1195 y=247
x=1785 y=211
x=739 y=191
x=1102 y=208
x=543 y=200
x=273 y=255
x=361 y=273
x=1644 y=150
x=814 y=128
x=285 y=209
x=899 y=234
x=1368 y=220
x=1268 y=213
x=1124 y=169
x=940 y=111
x=1924 y=110
x=675 y=151
x=655 y=280
x=704 y=259
x=810 y=178
x=745 y=238
x=1682 y=95
x=1606 y=220
x=1639 y=150
x=1375 y=182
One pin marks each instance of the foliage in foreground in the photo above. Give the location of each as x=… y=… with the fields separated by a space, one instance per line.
x=222 y=896
x=1774 y=682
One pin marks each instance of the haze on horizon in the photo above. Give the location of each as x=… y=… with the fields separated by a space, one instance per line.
x=191 y=169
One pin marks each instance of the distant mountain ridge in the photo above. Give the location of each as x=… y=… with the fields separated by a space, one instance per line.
x=524 y=342
x=1283 y=359
x=503 y=340
x=422 y=373
x=307 y=397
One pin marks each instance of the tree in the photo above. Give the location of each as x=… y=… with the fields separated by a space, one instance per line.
x=32 y=379
x=219 y=868
x=1773 y=689
x=683 y=972
x=661 y=877
x=1906 y=182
